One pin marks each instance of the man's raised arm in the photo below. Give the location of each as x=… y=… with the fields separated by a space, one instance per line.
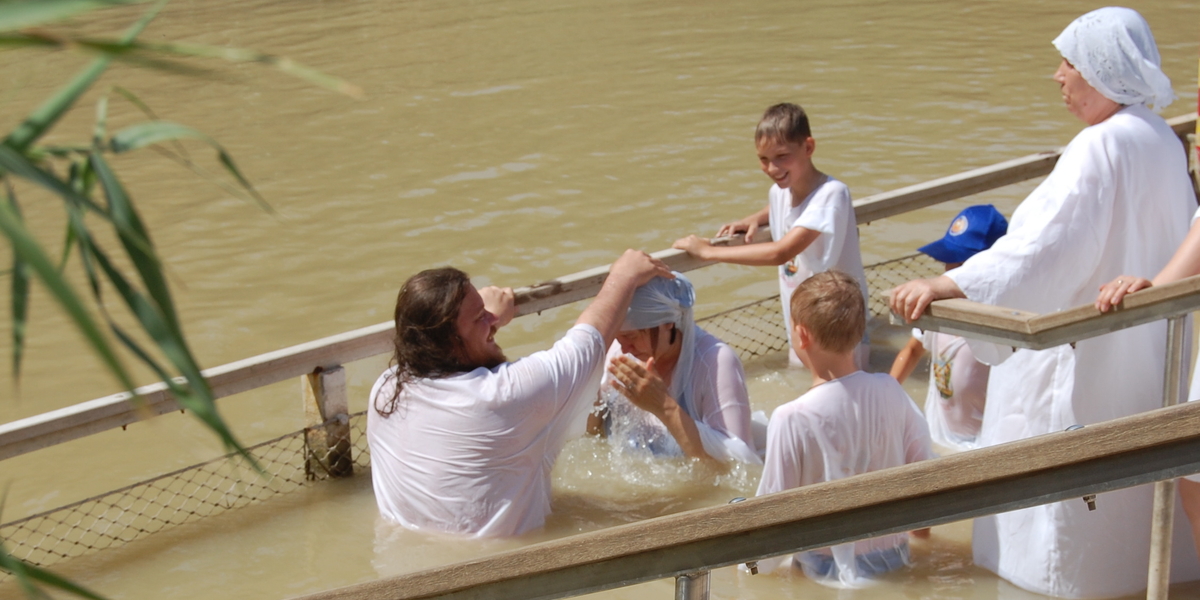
x=607 y=311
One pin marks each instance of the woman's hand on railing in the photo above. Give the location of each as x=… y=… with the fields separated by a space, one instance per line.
x=1113 y=292
x=909 y=300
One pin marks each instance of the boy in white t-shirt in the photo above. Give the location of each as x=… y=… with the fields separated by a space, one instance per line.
x=849 y=423
x=957 y=382
x=809 y=213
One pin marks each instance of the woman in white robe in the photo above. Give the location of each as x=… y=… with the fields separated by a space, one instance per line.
x=1116 y=202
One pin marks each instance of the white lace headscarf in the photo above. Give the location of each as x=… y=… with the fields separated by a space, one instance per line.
x=1115 y=52
x=662 y=301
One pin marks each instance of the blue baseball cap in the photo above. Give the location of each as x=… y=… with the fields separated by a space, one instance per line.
x=975 y=229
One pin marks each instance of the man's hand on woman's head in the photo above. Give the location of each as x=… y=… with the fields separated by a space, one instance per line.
x=1113 y=292
x=640 y=267
x=909 y=300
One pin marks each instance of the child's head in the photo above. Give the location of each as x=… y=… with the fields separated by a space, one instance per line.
x=974 y=230
x=785 y=147
x=784 y=122
x=829 y=306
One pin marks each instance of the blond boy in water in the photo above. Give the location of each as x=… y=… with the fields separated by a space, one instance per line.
x=809 y=213
x=849 y=423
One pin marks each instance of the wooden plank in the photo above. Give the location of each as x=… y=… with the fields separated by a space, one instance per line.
x=1029 y=330
x=1059 y=466
x=117 y=410
x=586 y=284
x=953 y=187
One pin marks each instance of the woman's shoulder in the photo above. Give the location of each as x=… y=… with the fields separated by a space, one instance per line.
x=711 y=349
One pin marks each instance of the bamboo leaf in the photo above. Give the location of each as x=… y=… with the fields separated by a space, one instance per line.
x=108 y=49
x=157 y=55
x=19 y=14
x=282 y=63
x=24 y=244
x=27 y=575
x=20 y=166
x=149 y=112
x=45 y=116
x=197 y=396
x=20 y=295
x=145 y=259
x=146 y=134
x=100 y=131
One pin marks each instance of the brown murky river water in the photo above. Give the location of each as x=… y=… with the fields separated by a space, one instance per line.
x=519 y=140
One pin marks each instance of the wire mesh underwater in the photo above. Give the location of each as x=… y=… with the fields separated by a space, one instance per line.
x=290 y=462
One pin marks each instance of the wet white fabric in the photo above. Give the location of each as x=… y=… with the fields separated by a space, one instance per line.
x=662 y=301
x=957 y=391
x=855 y=424
x=828 y=210
x=721 y=401
x=1115 y=52
x=1117 y=202
x=471 y=454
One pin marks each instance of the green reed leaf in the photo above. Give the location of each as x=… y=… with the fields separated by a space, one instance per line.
x=19 y=14
x=27 y=247
x=147 y=134
x=45 y=116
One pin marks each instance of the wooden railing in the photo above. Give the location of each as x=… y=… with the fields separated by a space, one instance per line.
x=1148 y=447
x=328 y=354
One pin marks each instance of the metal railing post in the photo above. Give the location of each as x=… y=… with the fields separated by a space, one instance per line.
x=692 y=586
x=1159 y=575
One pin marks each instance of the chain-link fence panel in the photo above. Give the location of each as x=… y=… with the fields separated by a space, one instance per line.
x=121 y=516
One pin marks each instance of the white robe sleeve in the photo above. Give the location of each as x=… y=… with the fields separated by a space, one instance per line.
x=1056 y=234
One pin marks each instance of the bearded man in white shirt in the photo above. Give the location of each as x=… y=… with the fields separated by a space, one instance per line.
x=462 y=441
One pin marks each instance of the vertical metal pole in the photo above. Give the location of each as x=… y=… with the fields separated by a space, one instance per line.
x=692 y=586
x=326 y=411
x=1159 y=577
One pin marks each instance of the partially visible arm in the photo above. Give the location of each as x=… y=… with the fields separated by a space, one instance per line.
x=500 y=302
x=723 y=401
x=607 y=311
x=748 y=225
x=907 y=359
x=909 y=300
x=768 y=254
x=1183 y=264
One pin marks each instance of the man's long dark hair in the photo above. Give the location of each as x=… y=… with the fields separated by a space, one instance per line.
x=427 y=344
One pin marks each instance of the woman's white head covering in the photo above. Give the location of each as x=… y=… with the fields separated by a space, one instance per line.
x=1115 y=52
x=660 y=301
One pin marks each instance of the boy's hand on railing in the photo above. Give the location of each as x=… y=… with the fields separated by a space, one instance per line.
x=909 y=300
x=1113 y=292
x=748 y=226
x=693 y=245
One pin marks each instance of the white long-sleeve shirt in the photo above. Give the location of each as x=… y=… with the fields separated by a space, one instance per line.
x=471 y=454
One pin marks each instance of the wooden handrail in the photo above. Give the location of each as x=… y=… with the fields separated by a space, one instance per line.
x=117 y=410
x=1021 y=329
x=1130 y=451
